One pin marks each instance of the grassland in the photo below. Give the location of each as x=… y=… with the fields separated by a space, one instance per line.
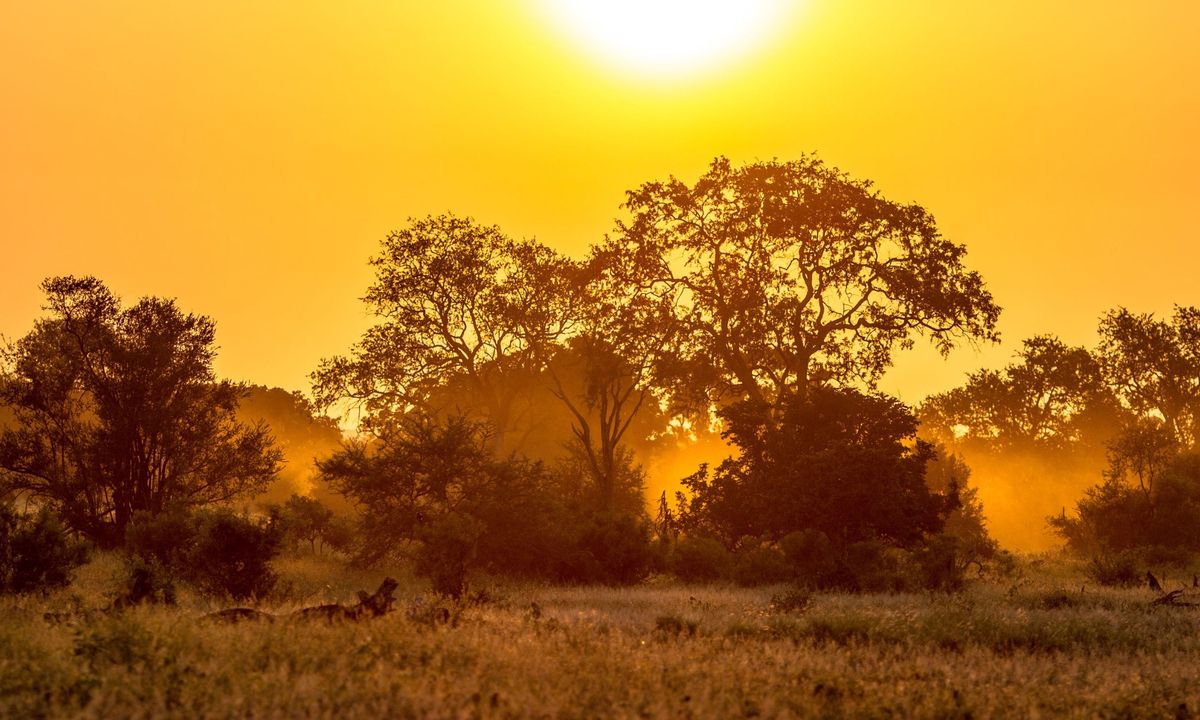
x=1042 y=645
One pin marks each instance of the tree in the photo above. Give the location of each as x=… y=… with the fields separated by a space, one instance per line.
x=425 y=476
x=1054 y=396
x=837 y=461
x=1154 y=366
x=118 y=411
x=460 y=306
x=778 y=277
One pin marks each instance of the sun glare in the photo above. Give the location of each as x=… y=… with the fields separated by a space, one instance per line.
x=667 y=37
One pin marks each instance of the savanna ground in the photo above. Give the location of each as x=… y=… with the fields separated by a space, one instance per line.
x=1043 y=643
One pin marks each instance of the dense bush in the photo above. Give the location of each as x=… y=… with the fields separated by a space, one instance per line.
x=447 y=550
x=217 y=551
x=1147 y=505
x=701 y=559
x=1119 y=569
x=939 y=563
x=835 y=460
x=613 y=549
x=760 y=563
x=36 y=553
x=811 y=556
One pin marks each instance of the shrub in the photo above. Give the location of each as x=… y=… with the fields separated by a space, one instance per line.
x=232 y=555
x=35 y=552
x=871 y=566
x=938 y=564
x=217 y=551
x=1118 y=569
x=609 y=548
x=448 y=548
x=811 y=556
x=701 y=559
x=760 y=564
x=165 y=539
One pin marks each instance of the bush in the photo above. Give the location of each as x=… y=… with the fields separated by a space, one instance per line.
x=811 y=557
x=1119 y=569
x=871 y=566
x=217 y=551
x=760 y=564
x=701 y=559
x=611 y=549
x=232 y=555
x=448 y=548
x=165 y=539
x=938 y=564
x=35 y=552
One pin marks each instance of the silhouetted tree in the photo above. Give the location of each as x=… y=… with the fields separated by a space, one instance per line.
x=837 y=461
x=1154 y=366
x=1053 y=397
x=118 y=411
x=458 y=302
x=411 y=478
x=777 y=277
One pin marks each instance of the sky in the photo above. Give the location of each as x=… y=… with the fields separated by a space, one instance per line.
x=248 y=157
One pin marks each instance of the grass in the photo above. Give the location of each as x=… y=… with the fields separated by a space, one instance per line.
x=1035 y=647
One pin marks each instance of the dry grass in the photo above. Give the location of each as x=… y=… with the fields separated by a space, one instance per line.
x=1039 y=647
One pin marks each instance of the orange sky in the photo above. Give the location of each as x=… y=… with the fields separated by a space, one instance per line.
x=247 y=157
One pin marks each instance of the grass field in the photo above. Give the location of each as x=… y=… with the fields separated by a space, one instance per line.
x=1042 y=645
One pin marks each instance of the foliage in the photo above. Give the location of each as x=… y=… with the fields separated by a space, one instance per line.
x=301 y=433
x=811 y=556
x=449 y=546
x=1155 y=366
x=218 y=551
x=305 y=519
x=118 y=411
x=701 y=559
x=458 y=303
x=948 y=474
x=1054 y=396
x=36 y=553
x=760 y=563
x=1117 y=569
x=838 y=461
x=611 y=549
x=776 y=276
x=1160 y=516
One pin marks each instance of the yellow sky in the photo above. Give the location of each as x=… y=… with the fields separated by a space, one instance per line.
x=246 y=157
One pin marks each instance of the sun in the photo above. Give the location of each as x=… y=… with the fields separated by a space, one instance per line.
x=667 y=37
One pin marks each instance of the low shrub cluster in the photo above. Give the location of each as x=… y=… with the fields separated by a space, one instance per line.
x=809 y=559
x=218 y=552
x=36 y=552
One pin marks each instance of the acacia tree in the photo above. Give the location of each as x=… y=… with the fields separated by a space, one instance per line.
x=117 y=410
x=1154 y=366
x=778 y=276
x=459 y=304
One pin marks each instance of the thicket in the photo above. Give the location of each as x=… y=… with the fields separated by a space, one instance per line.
x=36 y=552
x=219 y=552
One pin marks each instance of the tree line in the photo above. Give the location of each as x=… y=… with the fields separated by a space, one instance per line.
x=507 y=393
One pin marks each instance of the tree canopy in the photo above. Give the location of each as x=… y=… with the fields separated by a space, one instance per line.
x=776 y=277
x=118 y=410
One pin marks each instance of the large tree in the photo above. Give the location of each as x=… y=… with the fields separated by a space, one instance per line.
x=118 y=411
x=779 y=276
